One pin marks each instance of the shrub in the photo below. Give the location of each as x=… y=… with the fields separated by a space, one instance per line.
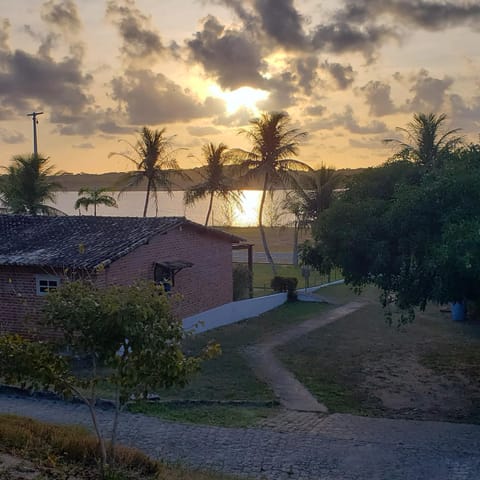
x=285 y=284
x=241 y=282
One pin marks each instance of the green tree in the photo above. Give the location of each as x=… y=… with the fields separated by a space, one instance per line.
x=27 y=185
x=128 y=331
x=216 y=182
x=270 y=159
x=412 y=234
x=94 y=196
x=153 y=157
x=310 y=199
x=428 y=143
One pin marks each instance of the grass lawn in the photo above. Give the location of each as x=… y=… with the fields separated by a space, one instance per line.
x=228 y=377
x=31 y=449
x=262 y=276
x=429 y=369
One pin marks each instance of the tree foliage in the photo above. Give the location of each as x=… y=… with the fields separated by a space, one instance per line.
x=129 y=331
x=215 y=180
x=94 y=196
x=27 y=186
x=412 y=233
x=153 y=157
x=274 y=144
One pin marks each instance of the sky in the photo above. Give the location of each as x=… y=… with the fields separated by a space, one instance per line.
x=348 y=72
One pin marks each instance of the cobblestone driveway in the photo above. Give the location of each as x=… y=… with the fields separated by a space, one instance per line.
x=342 y=447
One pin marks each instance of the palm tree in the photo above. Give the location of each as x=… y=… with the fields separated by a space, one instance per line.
x=308 y=201
x=216 y=182
x=152 y=155
x=270 y=159
x=94 y=196
x=428 y=144
x=26 y=186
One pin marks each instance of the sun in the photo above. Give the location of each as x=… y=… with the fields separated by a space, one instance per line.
x=246 y=215
x=245 y=97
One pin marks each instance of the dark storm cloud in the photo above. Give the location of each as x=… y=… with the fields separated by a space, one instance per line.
x=429 y=92
x=427 y=14
x=62 y=14
x=229 y=56
x=283 y=89
x=343 y=37
x=378 y=98
x=27 y=79
x=343 y=75
x=306 y=69
x=90 y=121
x=282 y=22
x=11 y=137
x=152 y=99
x=465 y=114
x=139 y=40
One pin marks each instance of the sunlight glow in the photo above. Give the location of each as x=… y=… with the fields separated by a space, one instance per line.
x=245 y=97
x=247 y=215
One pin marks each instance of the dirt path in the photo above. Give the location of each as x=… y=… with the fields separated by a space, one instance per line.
x=290 y=392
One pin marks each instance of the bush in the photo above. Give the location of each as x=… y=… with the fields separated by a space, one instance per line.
x=285 y=284
x=242 y=279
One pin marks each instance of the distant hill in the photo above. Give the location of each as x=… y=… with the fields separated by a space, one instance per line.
x=113 y=180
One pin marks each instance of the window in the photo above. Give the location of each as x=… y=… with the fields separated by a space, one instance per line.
x=45 y=283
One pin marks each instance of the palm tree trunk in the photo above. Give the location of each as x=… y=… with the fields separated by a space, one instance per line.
x=296 y=229
x=209 y=209
x=94 y=209
x=262 y=230
x=145 y=208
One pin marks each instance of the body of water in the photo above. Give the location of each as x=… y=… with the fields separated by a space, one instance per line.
x=130 y=204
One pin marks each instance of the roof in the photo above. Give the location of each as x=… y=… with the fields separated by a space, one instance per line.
x=82 y=242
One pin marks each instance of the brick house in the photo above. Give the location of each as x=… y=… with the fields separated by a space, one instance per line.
x=37 y=253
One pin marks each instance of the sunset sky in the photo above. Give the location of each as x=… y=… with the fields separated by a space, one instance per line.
x=348 y=72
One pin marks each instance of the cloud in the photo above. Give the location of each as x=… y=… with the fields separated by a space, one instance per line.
x=4 y=34
x=306 y=70
x=465 y=115
x=140 y=42
x=343 y=75
x=11 y=137
x=27 y=80
x=201 y=131
x=153 y=99
x=227 y=55
x=378 y=98
x=316 y=110
x=343 y=37
x=62 y=14
x=84 y=146
x=282 y=22
x=239 y=118
x=427 y=14
x=429 y=92
x=283 y=88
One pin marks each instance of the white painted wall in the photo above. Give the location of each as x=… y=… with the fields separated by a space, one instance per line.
x=233 y=312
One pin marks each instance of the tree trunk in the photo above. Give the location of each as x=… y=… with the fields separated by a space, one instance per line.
x=296 y=230
x=260 y=226
x=145 y=208
x=209 y=209
x=94 y=209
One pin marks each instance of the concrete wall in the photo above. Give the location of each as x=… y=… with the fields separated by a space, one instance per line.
x=233 y=312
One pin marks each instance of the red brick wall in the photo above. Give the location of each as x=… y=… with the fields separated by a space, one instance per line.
x=206 y=285
x=20 y=305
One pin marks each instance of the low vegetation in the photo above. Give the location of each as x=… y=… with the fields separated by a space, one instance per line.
x=426 y=370
x=31 y=449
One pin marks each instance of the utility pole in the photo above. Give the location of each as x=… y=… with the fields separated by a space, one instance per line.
x=35 y=121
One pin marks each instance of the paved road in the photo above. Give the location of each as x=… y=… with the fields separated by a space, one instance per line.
x=343 y=447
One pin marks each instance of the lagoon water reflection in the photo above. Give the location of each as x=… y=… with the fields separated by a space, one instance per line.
x=130 y=204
